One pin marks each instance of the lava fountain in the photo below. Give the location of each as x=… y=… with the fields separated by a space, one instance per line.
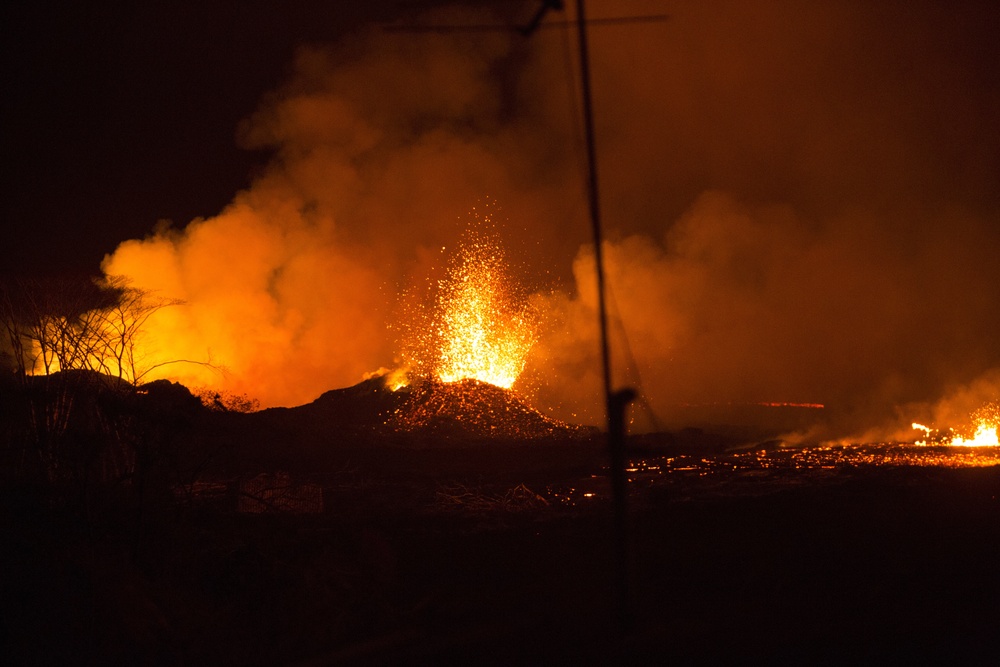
x=478 y=325
x=983 y=433
x=465 y=346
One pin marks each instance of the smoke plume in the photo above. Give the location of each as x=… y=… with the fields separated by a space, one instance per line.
x=800 y=201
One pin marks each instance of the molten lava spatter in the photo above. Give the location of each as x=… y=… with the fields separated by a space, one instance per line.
x=477 y=326
x=985 y=423
x=464 y=346
x=484 y=335
x=469 y=408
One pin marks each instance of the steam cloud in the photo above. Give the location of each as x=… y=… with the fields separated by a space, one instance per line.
x=801 y=203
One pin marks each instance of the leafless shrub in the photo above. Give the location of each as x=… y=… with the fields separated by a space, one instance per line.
x=62 y=325
x=477 y=501
x=276 y=492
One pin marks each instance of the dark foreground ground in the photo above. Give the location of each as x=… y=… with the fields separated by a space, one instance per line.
x=480 y=555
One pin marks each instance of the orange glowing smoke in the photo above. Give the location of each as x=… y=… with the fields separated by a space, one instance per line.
x=276 y=304
x=985 y=422
x=478 y=326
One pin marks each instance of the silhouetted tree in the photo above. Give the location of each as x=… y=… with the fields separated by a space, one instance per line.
x=74 y=348
x=77 y=325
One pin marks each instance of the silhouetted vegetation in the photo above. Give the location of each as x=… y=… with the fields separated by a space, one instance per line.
x=54 y=324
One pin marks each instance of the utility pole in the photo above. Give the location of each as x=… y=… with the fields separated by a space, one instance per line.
x=615 y=401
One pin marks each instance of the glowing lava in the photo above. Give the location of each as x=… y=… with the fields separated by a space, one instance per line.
x=478 y=327
x=985 y=421
x=483 y=335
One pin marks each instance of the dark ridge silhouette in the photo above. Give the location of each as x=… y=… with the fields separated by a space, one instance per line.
x=369 y=412
x=341 y=415
x=470 y=409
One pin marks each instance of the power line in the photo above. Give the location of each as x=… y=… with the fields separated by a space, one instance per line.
x=527 y=29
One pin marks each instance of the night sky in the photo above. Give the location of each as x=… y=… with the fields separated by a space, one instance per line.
x=802 y=198
x=118 y=115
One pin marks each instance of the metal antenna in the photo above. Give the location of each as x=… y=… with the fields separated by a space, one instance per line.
x=615 y=402
x=543 y=9
x=536 y=22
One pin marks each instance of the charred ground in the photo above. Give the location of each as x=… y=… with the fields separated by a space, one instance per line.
x=129 y=536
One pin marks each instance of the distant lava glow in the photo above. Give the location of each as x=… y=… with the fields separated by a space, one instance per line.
x=478 y=326
x=985 y=422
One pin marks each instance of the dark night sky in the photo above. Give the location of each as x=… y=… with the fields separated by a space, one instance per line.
x=119 y=114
